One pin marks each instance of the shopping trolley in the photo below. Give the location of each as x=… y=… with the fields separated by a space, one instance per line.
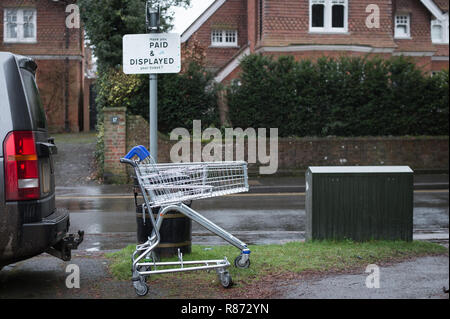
x=169 y=186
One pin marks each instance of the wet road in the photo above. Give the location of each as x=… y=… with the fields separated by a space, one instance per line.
x=110 y=222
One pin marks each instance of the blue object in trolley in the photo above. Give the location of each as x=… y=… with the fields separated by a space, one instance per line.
x=139 y=151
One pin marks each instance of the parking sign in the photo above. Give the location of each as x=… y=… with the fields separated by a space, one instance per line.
x=152 y=53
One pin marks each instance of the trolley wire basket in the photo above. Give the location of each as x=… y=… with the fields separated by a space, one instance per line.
x=168 y=186
x=173 y=183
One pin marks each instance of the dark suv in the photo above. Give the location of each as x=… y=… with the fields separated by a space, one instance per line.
x=30 y=224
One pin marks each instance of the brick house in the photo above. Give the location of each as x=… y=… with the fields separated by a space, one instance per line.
x=231 y=29
x=37 y=28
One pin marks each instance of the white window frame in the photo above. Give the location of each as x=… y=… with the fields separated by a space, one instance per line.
x=328 y=16
x=20 y=26
x=444 y=25
x=407 y=23
x=223 y=35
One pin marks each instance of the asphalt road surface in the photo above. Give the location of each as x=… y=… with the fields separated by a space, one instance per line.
x=110 y=220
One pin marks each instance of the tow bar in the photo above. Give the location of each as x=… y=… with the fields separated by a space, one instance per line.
x=63 y=249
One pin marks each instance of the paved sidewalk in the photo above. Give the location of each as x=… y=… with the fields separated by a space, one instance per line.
x=418 y=279
x=45 y=277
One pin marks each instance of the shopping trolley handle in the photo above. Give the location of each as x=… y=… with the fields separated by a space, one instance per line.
x=127 y=161
x=139 y=151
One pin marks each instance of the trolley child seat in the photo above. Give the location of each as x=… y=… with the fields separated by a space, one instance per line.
x=168 y=186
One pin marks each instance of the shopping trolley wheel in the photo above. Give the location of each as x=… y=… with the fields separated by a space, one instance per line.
x=140 y=284
x=225 y=279
x=239 y=264
x=141 y=289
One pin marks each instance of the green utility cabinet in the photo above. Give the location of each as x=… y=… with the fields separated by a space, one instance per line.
x=359 y=203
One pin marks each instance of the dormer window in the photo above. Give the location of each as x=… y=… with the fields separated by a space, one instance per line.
x=19 y=25
x=224 y=38
x=402 y=26
x=328 y=16
x=439 y=30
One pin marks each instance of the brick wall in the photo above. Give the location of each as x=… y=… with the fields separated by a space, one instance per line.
x=286 y=22
x=417 y=152
x=439 y=65
x=314 y=55
x=294 y=155
x=61 y=84
x=115 y=144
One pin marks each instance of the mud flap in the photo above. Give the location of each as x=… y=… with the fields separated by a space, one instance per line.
x=63 y=249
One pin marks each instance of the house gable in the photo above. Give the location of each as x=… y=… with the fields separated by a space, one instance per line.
x=201 y=20
x=434 y=9
x=283 y=27
x=220 y=20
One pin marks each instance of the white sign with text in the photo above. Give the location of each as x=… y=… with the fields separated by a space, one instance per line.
x=152 y=53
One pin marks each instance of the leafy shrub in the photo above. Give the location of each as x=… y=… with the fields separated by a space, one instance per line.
x=185 y=97
x=100 y=150
x=117 y=89
x=182 y=98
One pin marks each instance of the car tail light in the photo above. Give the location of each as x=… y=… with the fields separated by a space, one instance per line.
x=21 y=166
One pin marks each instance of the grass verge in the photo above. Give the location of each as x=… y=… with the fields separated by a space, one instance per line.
x=292 y=258
x=75 y=138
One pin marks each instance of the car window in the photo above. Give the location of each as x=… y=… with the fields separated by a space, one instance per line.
x=34 y=100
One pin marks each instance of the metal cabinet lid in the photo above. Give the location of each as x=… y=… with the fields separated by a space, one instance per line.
x=360 y=169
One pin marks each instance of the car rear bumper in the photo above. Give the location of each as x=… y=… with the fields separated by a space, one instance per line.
x=48 y=232
x=50 y=235
x=23 y=241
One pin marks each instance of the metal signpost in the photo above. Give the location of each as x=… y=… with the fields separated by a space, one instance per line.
x=153 y=53
x=153 y=23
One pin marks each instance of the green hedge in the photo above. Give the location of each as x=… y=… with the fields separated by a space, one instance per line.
x=342 y=97
x=186 y=97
